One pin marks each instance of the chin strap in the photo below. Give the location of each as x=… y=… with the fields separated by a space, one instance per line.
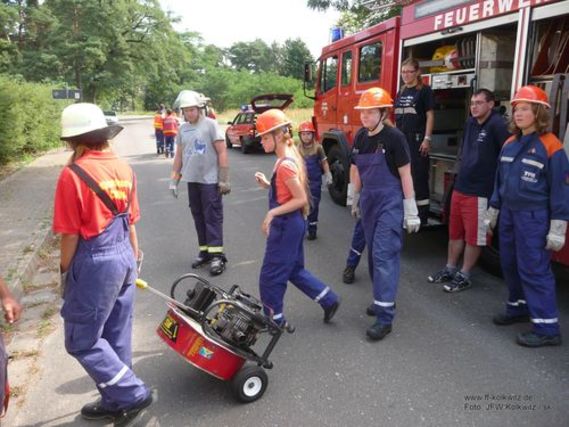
x=379 y=123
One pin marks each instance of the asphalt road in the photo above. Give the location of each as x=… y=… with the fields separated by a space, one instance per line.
x=444 y=364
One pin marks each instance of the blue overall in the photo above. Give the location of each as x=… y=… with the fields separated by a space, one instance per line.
x=159 y=141
x=358 y=245
x=381 y=204
x=532 y=187
x=314 y=172
x=284 y=262
x=207 y=211
x=98 y=310
x=410 y=117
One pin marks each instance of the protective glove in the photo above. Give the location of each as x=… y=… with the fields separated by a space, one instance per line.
x=223 y=181
x=62 y=282
x=328 y=180
x=174 y=186
x=356 y=212
x=411 y=220
x=556 y=236
x=139 y=261
x=491 y=218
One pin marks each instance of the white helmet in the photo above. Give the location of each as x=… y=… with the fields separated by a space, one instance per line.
x=189 y=98
x=80 y=119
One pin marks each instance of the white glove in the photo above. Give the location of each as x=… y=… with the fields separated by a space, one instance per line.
x=328 y=180
x=174 y=187
x=411 y=220
x=223 y=181
x=556 y=236
x=491 y=218
x=356 y=213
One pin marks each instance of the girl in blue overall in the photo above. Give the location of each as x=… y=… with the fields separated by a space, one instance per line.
x=381 y=172
x=95 y=210
x=316 y=163
x=414 y=116
x=531 y=195
x=285 y=225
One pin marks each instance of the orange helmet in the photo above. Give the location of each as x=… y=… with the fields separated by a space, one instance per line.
x=270 y=120
x=374 y=97
x=306 y=126
x=531 y=94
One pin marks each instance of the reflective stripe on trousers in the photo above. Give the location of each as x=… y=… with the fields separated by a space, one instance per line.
x=381 y=205
x=284 y=262
x=97 y=313
x=527 y=268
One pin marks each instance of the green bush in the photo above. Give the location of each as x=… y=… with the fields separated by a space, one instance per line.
x=30 y=122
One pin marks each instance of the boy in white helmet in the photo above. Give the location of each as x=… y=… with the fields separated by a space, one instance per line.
x=201 y=161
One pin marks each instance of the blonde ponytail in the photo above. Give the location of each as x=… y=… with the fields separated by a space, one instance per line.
x=302 y=176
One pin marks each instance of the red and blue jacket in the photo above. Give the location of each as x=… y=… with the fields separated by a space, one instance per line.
x=533 y=173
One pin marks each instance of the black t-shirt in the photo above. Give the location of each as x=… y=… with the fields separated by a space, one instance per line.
x=422 y=100
x=389 y=139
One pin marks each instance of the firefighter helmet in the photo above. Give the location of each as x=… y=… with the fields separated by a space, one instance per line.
x=189 y=98
x=86 y=122
x=531 y=94
x=306 y=126
x=374 y=97
x=271 y=120
x=449 y=56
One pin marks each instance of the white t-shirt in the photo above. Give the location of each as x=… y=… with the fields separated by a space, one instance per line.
x=199 y=157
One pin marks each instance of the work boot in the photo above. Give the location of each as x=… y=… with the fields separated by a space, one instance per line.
x=442 y=276
x=311 y=235
x=217 y=265
x=531 y=339
x=95 y=411
x=459 y=283
x=378 y=331
x=127 y=416
x=203 y=258
x=349 y=275
x=330 y=311
x=370 y=310
x=505 y=320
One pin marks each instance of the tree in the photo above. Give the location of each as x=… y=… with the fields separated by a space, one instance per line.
x=255 y=56
x=359 y=14
x=295 y=54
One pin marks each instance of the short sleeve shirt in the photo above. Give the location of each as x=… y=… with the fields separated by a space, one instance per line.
x=285 y=170
x=78 y=210
x=390 y=140
x=199 y=156
x=314 y=149
x=419 y=99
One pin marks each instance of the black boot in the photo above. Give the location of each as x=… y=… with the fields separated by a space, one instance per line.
x=349 y=275
x=217 y=265
x=378 y=331
x=203 y=258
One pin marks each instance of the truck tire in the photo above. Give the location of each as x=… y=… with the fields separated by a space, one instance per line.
x=340 y=168
x=228 y=143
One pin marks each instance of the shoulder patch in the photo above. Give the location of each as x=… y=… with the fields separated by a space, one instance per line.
x=551 y=143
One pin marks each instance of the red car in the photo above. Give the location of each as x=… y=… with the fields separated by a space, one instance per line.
x=241 y=130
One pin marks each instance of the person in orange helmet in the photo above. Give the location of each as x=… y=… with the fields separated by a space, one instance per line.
x=316 y=164
x=531 y=195
x=158 y=124
x=384 y=197
x=285 y=225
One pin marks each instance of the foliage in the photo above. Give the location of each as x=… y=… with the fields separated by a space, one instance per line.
x=359 y=14
x=30 y=122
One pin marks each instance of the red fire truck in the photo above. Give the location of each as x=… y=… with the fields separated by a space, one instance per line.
x=461 y=45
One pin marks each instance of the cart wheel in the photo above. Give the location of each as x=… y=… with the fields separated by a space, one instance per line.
x=250 y=383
